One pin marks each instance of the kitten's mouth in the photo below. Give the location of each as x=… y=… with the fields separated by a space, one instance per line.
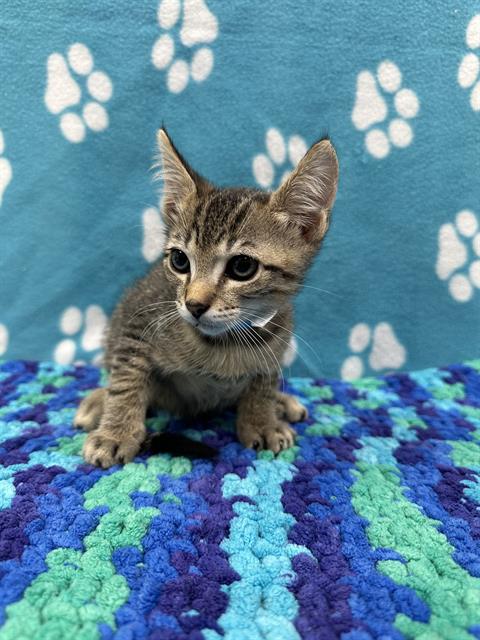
x=210 y=329
x=217 y=329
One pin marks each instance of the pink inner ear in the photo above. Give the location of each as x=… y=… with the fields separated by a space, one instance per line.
x=318 y=227
x=309 y=232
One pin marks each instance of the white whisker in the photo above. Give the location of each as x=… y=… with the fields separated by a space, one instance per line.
x=150 y=307
x=242 y=334
x=281 y=339
x=309 y=286
x=289 y=331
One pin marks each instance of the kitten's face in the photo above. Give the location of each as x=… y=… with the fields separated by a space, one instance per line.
x=230 y=269
x=236 y=256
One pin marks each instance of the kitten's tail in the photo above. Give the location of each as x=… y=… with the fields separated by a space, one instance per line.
x=177 y=445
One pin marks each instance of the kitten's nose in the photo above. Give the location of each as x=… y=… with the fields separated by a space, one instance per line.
x=196 y=308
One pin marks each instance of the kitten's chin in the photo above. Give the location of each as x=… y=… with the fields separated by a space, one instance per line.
x=211 y=330
x=218 y=329
x=207 y=329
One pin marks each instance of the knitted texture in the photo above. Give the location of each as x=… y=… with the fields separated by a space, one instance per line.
x=368 y=528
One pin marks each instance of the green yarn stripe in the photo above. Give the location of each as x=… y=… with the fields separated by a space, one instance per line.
x=451 y=593
x=82 y=588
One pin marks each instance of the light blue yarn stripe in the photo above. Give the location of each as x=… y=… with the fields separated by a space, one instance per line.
x=15 y=428
x=49 y=458
x=260 y=604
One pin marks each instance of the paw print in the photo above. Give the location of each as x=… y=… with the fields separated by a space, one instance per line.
x=93 y=321
x=469 y=69
x=63 y=92
x=459 y=248
x=290 y=353
x=5 y=169
x=153 y=234
x=3 y=339
x=280 y=159
x=386 y=352
x=198 y=26
x=371 y=108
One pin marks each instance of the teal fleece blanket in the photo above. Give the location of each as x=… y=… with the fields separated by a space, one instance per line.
x=244 y=88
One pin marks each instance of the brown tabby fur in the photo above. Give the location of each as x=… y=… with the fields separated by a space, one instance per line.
x=158 y=355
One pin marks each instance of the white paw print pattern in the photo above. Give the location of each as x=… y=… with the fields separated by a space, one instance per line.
x=469 y=69
x=63 y=92
x=458 y=259
x=281 y=157
x=371 y=108
x=3 y=339
x=198 y=26
x=72 y=320
x=5 y=169
x=290 y=354
x=153 y=234
x=386 y=352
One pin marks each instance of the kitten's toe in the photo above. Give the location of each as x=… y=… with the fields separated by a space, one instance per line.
x=276 y=437
x=103 y=450
x=280 y=437
x=90 y=410
x=251 y=438
x=289 y=408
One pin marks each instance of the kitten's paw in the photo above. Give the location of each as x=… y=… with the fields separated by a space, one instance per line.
x=104 y=449
x=289 y=408
x=275 y=437
x=90 y=410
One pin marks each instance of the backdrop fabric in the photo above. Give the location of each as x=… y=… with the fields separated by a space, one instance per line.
x=244 y=88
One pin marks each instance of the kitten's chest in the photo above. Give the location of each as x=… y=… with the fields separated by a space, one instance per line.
x=200 y=393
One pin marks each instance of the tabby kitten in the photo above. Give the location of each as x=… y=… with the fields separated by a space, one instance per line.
x=207 y=327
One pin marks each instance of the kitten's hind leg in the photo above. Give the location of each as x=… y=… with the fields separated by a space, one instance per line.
x=90 y=410
x=289 y=408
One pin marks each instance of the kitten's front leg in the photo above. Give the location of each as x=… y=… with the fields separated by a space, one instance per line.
x=121 y=431
x=258 y=424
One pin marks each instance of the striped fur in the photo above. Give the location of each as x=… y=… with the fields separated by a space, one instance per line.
x=159 y=355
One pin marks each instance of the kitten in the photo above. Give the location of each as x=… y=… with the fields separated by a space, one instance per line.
x=209 y=324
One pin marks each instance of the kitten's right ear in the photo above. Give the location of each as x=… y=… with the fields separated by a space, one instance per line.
x=179 y=180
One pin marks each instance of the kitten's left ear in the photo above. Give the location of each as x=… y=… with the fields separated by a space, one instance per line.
x=307 y=196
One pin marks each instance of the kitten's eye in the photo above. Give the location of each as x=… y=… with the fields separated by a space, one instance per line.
x=241 y=268
x=179 y=261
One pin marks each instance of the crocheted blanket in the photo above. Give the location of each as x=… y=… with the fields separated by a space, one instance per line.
x=368 y=528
